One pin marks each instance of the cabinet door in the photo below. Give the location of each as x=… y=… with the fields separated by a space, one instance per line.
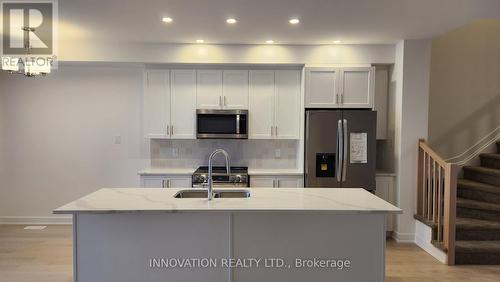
x=289 y=181
x=235 y=89
x=287 y=105
x=357 y=87
x=261 y=104
x=183 y=104
x=156 y=104
x=385 y=191
x=262 y=181
x=153 y=182
x=179 y=182
x=322 y=87
x=209 y=89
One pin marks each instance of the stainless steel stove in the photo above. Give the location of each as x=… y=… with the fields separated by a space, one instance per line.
x=238 y=177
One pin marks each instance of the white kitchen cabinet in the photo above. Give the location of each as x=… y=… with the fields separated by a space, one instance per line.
x=261 y=104
x=357 y=87
x=287 y=104
x=352 y=87
x=209 y=89
x=274 y=104
x=235 y=89
x=385 y=190
x=276 y=181
x=169 y=104
x=156 y=104
x=222 y=89
x=322 y=87
x=166 y=181
x=183 y=104
x=262 y=181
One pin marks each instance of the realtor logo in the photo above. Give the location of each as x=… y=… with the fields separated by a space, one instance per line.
x=28 y=27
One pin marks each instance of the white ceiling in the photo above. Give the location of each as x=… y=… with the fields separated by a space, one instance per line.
x=322 y=21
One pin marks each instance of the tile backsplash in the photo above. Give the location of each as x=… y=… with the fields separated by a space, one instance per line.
x=260 y=154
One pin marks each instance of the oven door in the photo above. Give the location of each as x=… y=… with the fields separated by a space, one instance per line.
x=222 y=124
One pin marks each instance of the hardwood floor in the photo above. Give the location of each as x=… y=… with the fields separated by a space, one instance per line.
x=46 y=255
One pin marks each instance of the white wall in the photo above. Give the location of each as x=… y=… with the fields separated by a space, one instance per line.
x=60 y=135
x=410 y=87
x=465 y=89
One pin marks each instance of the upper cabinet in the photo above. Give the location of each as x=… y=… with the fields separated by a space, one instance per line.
x=274 y=104
x=235 y=89
x=156 y=104
x=340 y=87
x=322 y=87
x=183 y=104
x=287 y=104
x=209 y=92
x=273 y=98
x=219 y=89
x=169 y=104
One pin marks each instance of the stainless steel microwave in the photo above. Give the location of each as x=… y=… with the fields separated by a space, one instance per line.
x=222 y=124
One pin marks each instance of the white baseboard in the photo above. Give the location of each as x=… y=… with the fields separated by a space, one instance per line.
x=403 y=237
x=423 y=237
x=36 y=220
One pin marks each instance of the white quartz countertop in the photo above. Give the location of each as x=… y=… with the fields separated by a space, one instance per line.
x=189 y=171
x=335 y=200
x=167 y=171
x=278 y=171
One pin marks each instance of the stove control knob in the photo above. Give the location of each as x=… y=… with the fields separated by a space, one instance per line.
x=237 y=178
x=202 y=178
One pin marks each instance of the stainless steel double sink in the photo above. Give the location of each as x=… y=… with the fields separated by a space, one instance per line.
x=187 y=194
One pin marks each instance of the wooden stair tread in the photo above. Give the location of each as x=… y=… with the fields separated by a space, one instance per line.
x=477 y=186
x=471 y=204
x=477 y=246
x=484 y=170
x=490 y=156
x=464 y=223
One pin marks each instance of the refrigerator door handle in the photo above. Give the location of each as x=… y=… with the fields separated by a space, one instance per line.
x=344 y=155
x=338 y=159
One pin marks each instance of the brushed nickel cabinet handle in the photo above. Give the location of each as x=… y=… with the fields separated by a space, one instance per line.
x=163 y=184
x=168 y=130
x=225 y=104
x=172 y=130
x=272 y=130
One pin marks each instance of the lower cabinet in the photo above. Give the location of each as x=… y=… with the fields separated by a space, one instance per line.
x=385 y=190
x=276 y=181
x=166 y=181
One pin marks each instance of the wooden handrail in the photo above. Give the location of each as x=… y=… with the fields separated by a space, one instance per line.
x=437 y=196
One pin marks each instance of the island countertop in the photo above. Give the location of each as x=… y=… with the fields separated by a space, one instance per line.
x=338 y=200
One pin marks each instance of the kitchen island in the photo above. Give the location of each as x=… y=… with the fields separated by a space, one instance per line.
x=285 y=234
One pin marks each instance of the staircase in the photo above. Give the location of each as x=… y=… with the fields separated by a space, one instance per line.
x=478 y=212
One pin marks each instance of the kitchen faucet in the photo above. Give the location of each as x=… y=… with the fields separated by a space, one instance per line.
x=228 y=169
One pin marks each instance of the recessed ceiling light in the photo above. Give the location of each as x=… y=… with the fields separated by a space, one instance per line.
x=270 y=41
x=337 y=42
x=294 y=21
x=200 y=40
x=167 y=20
x=231 y=21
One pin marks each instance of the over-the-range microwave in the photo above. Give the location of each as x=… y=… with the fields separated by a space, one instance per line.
x=221 y=124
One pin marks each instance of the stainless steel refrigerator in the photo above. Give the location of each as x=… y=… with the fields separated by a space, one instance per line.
x=340 y=149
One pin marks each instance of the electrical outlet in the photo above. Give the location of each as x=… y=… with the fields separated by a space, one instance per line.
x=277 y=153
x=175 y=152
x=118 y=139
